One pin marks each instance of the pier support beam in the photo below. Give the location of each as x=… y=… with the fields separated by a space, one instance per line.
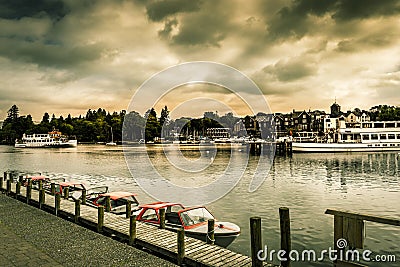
x=66 y=192
x=8 y=187
x=162 y=218
x=181 y=245
x=256 y=241
x=132 y=229
x=77 y=210
x=29 y=191
x=128 y=209
x=57 y=203
x=210 y=232
x=83 y=197
x=18 y=190
x=286 y=244
x=42 y=196
x=108 y=204
x=52 y=189
x=100 y=219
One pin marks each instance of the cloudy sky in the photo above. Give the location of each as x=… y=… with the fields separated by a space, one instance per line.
x=66 y=56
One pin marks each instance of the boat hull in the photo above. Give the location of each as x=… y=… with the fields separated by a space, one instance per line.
x=344 y=147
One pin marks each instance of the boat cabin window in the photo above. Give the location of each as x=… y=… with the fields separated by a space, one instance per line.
x=365 y=136
x=366 y=125
x=391 y=136
x=390 y=125
x=378 y=125
x=374 y=137
x=383 y=136
x=398 y=136
x=150 y=215
x=175 y=208
x=101 y=201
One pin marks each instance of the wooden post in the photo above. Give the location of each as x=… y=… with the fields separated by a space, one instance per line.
x=132 y=229
x=83 y=197
x=29 y=191
x=66 y=192
x=1 y=185
x=8 y=187
x=128 y=209
x=52 y=189
x=181 y=245
x=77 y=210
x=20 y=178
x=210 y=232
x=286 y=244
x=5 y=176
x=40 y=184
x=100 y=218
x=108 y=204
x=57 y=204
x=337 y=234
x=42 y=196
x=256 y=240
x=17 y=190
x=162 y=218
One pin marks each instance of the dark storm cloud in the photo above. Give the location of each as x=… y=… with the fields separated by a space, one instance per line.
x=159 y=10
x=49 y=55
x=16 y=9
x=297 y=19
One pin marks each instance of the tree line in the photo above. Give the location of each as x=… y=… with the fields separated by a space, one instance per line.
x=97 y=125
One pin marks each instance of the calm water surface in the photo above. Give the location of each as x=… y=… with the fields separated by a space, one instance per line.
x=308 y=184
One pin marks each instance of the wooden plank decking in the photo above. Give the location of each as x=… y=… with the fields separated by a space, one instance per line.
x=197 y=253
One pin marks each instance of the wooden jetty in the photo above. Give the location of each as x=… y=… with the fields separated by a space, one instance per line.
x=276 y=148
x=174 y=246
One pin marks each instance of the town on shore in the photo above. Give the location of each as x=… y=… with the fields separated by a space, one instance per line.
x=100 y=126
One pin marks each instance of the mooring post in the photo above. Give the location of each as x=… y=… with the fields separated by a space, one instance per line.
x=17 y=190
x=77 y=210
x=8 y=187
x=66 y=192
x=42 y=196
x=29 y=191
x=162 y=218
x=210 y=231
x=132 y=229
x=100 y=218
x=40 y=184
x=5 y=176
x=256 y=241
x=52 y=189
x=20 y=178
x=128 y=209
x=286 y=243
x=57 y=204
x=108 y=204
x=181 y=245
x=1 y=185
x=83 y=197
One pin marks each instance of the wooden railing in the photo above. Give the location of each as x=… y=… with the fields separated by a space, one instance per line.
x=350 y=227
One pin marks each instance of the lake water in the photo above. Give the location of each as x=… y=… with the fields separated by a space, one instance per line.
x=307 y=184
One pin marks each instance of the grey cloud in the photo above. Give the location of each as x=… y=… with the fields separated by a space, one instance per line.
x=47 y=54
x=292 y=69
x=159 y=10
x=17 y=9
x=298 y=19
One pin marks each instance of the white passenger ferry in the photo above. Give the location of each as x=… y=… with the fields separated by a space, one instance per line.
x=372 y=136
x=51 y=139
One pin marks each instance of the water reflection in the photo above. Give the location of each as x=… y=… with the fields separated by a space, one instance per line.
x=306 y=183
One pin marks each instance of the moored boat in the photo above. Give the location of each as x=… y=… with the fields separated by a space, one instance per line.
x=52 y=139
x=376 y=136
x=193 y=220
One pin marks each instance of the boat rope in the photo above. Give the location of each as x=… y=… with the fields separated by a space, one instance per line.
x=208 y=236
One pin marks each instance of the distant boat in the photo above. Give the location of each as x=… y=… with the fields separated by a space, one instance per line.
x=51 y=139
x=112 y=140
